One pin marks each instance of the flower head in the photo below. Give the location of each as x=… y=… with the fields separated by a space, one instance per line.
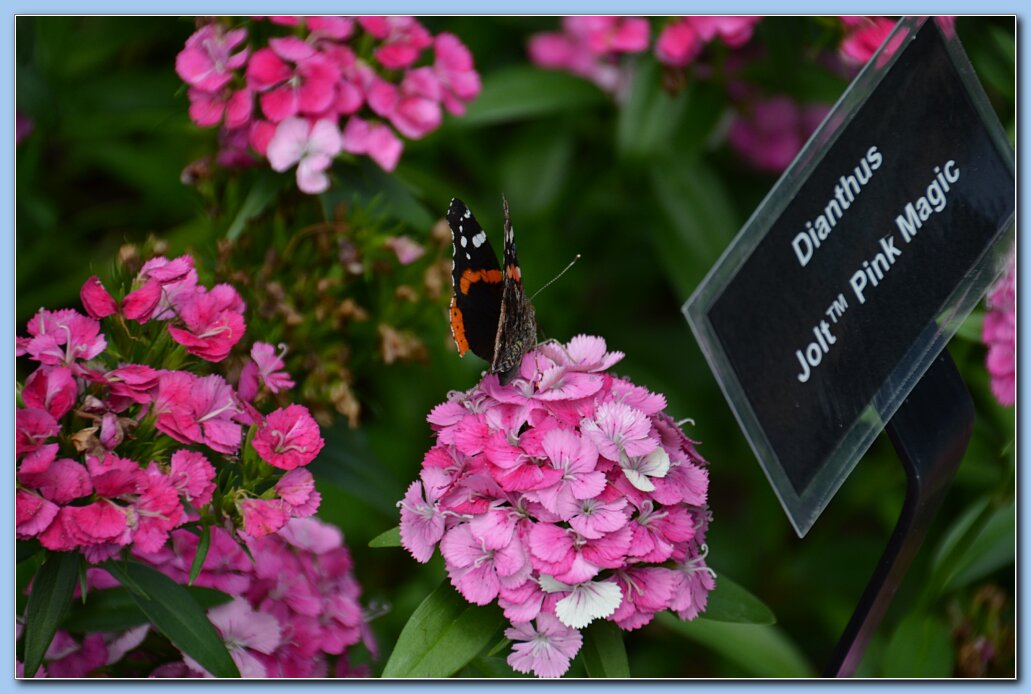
x=311 y=147
x=999 y=333
x=288 y=438
x=565 y=495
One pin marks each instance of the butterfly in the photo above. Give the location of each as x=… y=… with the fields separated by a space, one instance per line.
x=490 y=312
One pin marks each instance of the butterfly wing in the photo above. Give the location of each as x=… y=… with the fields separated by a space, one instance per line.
x=477 y=285
x=517 y=324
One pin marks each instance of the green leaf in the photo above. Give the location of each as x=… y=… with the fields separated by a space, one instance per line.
x=26 y=549
x=114 y=609
x=920 y=647
x=173 y=611
x=758 y=650
x=389 y=538
x=259 y=197
x=981 y=541
x=443 y=634
x=729 y=602
x=650 y=117
x=603 y=652
x=527 y=92
x=202 y=553
x=51 y=592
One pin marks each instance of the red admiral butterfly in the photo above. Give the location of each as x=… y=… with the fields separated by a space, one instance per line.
x=490 y=312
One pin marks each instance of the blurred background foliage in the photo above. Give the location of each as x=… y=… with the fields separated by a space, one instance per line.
x=647 y=191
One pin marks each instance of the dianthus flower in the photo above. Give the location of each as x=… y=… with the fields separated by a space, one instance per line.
x=1000 y=335
x=590 y=47
x=318 y=86
x=114 y=456
x=567 y=495
x=682 y=40
x=295 y=607
x=770 y=132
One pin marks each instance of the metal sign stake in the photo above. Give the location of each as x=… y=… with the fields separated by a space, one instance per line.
x=930 y=433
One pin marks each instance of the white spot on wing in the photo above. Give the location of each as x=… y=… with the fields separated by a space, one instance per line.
x=467 y=214
x=463 y=241
x=468 y=257
x=479 y=239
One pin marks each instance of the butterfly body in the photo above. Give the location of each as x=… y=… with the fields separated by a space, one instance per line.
x=491 y=316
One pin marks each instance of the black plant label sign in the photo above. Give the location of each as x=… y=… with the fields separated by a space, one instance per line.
x=860 y=264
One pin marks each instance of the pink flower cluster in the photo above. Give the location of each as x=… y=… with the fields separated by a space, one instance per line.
x=287 y=99
x=768 y=133
x=591 y=48
x=295 y=606
x=682 y=40
x=95 y=474
x=567 y=496
x=1000 y=335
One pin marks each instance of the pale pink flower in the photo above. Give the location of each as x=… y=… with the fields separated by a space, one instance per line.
x=422 y=524
x=734 y=31
x=406 y=250
x=207 y=62
x=545 y=649
x=477 y=572
x=311 y=147
x=177 y=279
x=245 y=633
x=288 y=438
x=576 y=459
x=266 y=367
x=618 y=429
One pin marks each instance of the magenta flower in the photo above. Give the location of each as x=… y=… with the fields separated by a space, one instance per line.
x=564 y=495
x=292 y=78
x=33 y=514
x=453 y=65
x=545 y=649
x=311 y=147
x=734 y=31
x=297 y=490
x=207 y=60
x=864 y=36
x=193 y=476
x=377 y=140
x=62 y=338
x=266 y=367
x=33 y=426
x=53 y=389
x=211 y=108
x=177 y=279
x=198 y=410
x=771 y=132
x=679 y=43
x=96 y=300
x=999 y=333
x=288 y=438
x=403 y=38
x=263 y=516
x=213 y=323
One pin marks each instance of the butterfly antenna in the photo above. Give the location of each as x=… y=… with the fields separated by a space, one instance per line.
x=553 y=279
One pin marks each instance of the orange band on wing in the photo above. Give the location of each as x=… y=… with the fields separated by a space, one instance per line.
x=470 y=276
x=458 y=329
